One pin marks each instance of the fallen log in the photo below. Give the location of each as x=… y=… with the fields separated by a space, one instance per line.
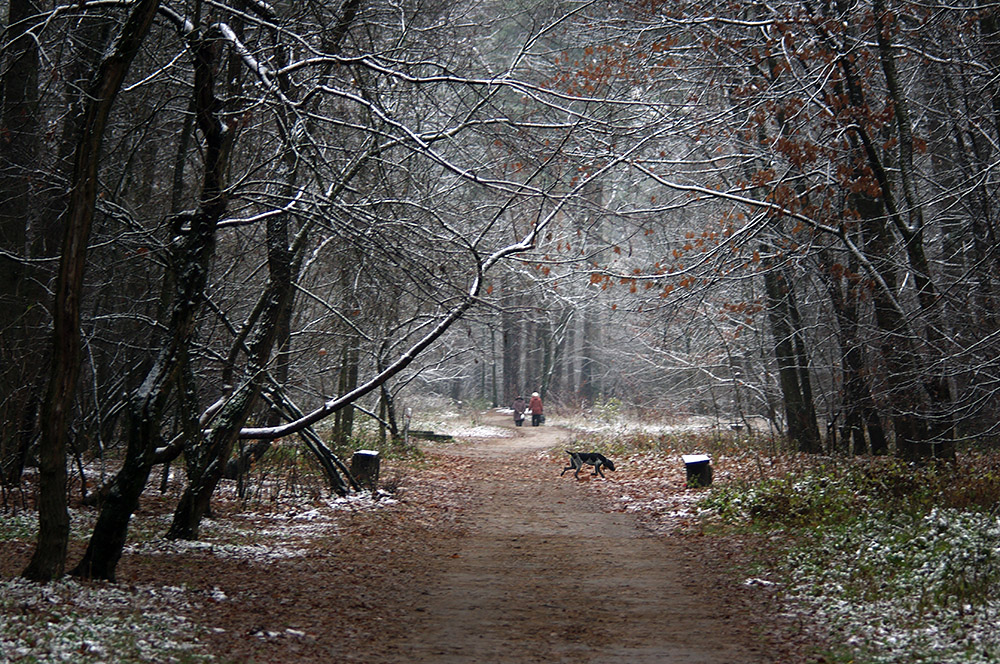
x=430 y=435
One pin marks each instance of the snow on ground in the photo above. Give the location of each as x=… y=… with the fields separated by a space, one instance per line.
x=615 y=424
x=908 y=590
x=479 y=431
x=246 y=552
x=90 y=623
x=459 y=426
x=57 y=622
x=255 y=537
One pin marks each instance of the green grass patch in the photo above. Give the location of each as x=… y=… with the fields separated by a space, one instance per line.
x=22 y=526
x=901 y=561
x=18 y=526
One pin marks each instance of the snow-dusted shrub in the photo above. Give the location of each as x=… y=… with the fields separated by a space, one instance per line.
x=67 y=621
x=875 y=557
x=903 y=588
x=811 y=498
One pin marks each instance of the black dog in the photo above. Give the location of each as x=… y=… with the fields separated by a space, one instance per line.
x=578 y=459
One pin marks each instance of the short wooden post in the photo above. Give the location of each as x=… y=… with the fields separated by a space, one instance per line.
x=699 y=469
x=365 y=468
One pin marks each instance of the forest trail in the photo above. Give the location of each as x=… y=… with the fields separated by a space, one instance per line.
x=483 y=555
x=541 y=574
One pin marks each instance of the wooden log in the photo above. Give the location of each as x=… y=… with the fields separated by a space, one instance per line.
x=365 y=468
x=429 y=435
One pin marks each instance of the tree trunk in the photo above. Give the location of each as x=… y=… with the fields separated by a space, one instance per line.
x=18 y=150
x=49 y=558
x=494 y=383
x=793 y=378
x=857 y=403
x=344 y=420
x=19 y=379
x=557 y=360
x=208 y=463
x=18 y=158
x=589 y=388
x=913 y=407
x=548 y=346
x=569 y=382
x=533 y=355
x=940 y=424
x=896 y=343
x=511 y=339
x=390 y=411
x=193 y=256
x=121 y=500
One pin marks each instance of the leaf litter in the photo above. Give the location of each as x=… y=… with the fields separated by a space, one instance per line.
x=309 y=577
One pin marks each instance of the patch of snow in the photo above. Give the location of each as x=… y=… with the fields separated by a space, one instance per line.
x=753 y=581
x=253 y=537
x=246 y=552
x=478 y=431
x=88 y=623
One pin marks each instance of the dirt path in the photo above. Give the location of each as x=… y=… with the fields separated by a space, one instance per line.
x=485 y=555
x=541 y=574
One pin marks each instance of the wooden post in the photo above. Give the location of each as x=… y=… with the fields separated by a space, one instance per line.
x=365 y=468
x=699 y=469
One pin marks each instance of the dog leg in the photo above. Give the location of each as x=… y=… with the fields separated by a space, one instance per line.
x=573 y=465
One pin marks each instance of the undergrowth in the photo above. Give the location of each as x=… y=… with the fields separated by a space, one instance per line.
x=901 y=560
x=287 y=471
x=92 y=623
x=713 y=443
